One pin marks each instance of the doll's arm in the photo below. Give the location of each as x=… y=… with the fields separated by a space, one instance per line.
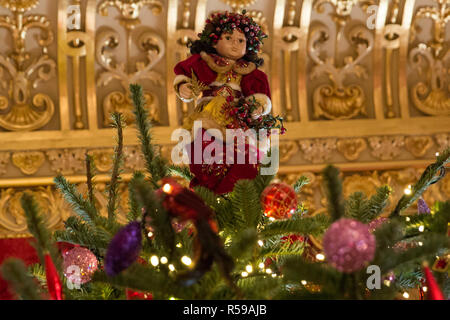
x=183 y=71
x=255 y=85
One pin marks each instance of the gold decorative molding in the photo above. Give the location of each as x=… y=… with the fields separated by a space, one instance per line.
x=432 y=95
x=287 y=150
x=28 y=112
x=28 y=162
x=419 y=145
x=133 y=158
x=443 y=140
x=386 y=147
x=66 y=161
x=318 y=150
x=103 y=159
x=4 y=160
x=351 y=148
x=238 y=5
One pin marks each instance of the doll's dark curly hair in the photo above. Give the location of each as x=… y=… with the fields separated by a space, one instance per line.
x=227 y=22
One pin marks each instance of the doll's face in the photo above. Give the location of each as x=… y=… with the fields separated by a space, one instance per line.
x=232 y=45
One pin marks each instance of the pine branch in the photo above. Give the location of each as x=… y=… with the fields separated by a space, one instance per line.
x=245 y=199
x=36 y=226
x=431 y=175
x=243 y=244
x=300 y=183
x=282 y=248
x=82 y=207
x=115 y=174
x=135 y=211
x=334 y=192
x=354 y=205
x=314 y=225
x=259 y=287
x=261 y=182
x=180 y=171
x=15 y=272
x=155 y=165
x=375 y=205
x=90 y=174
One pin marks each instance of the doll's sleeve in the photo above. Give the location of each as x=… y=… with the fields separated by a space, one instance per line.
x=183 y=73
x=255 y=85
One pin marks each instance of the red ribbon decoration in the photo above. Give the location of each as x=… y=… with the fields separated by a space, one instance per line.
x=53 y=282
x=434 y=292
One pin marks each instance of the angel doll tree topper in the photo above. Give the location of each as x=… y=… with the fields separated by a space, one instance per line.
x=230 y=92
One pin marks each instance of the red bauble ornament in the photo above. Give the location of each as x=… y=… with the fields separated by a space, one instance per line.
x=53 y=282
x=137 y=295
x=279 y=200
x=434 y=292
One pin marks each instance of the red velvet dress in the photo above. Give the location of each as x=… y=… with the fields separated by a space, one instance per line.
x=243 y=79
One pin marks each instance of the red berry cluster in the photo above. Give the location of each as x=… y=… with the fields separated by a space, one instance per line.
x=226 y=22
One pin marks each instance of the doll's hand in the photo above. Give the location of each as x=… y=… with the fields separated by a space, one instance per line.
x=185 y=91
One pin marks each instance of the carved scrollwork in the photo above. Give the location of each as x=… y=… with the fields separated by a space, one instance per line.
x=130 y=9
x=239 y=4
x=367 y=184
x=103 y=159
x=443 y=140
x=432 y=95
x=28 y=162
x=387 y=147
x=287 y=150
x=133 y=158
x=24 y=73
x=12 y=216
x=339 y=100
x=117 y=101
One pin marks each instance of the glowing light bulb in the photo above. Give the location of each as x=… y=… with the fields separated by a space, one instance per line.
x=163 y=260
x=425 y=289
x=421 y=228
x=244 y=274
x=268 y=270
x=167 y=188
x=420 y=243
x=387 y=283
x=186 y=260
x=150 y=234
x=303 y=282
x=171 y=267
x=272 y=219
x=260 y=243
x=154 y=260
x=408 y=191
x=320 y=257
x=405 y=295
x=408 y=219
x=179 y=245
x=171 y=298
x=261 y=265
x=437 y=154
x=273 y=275
x=249 y=269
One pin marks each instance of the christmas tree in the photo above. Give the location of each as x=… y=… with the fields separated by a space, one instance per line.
x=251 y=243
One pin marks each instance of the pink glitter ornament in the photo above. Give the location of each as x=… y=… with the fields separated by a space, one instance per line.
x=376 y=223
x=79 y=265
x=348 y=245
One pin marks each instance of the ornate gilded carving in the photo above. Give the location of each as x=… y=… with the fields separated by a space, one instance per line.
x=367 y=184
x=133 y=158
x=318 y=150
x=66 y=161
x=339 y=100
x=238 y=5
x=28 y=162
x=386 y=147
x=351 y=148
x=287 y=150
x=4 y=160
x=12 y=217
x=432 y=95
x=103 y=159
x=418 y=146
x=443 y=140
x=124 y=72
x=23 y=72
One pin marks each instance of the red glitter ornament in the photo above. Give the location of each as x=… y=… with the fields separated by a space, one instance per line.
x=434 y=292
x=279 y=201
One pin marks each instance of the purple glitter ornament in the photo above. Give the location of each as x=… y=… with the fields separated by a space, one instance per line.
x=422 y=207
x=348 y=245
x=376 y=223
x=79 y=265
x=123 y=249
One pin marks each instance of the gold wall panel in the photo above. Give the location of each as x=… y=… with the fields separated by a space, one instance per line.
x=363 y=84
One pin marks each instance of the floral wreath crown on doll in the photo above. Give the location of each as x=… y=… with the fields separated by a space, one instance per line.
x=226 y=22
